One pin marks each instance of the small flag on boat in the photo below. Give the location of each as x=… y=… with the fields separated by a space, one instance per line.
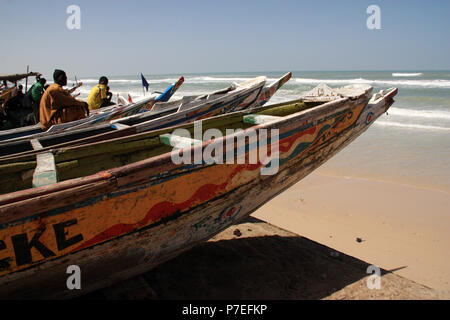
x=144 y=82
x=121 y=100
x=129 y=99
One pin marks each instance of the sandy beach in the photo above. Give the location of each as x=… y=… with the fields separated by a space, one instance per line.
x=299 y=246
x=264 y=262
x=402 y=227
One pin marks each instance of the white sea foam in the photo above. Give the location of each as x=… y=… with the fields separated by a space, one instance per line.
x=209 y=79
x=215 y=79
x=190 y=80
x=429 y=114
x=411 y=126
x=408 y=83
x=401 y=74
x=125 y=81
x=437 y=83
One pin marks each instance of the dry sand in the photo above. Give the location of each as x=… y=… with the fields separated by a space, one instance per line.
x=403 y=231
x=402 y=227
x=262 y=261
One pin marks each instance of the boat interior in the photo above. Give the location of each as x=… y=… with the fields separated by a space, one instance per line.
x=163 y=109
x=22 y=172
x=160 y=110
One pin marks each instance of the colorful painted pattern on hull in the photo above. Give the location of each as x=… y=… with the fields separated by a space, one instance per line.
x=163 y=97
x=258 y=99
x=221 y=108
x=84 y=224
x=268 y=92
x=166 y=95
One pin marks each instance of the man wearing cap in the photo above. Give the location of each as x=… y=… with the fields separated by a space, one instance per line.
x=58 y=106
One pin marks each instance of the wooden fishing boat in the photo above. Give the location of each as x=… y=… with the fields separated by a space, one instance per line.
x=184 y=103
x=185 y=110
x=8 y=93
x=124 y=206
x=5 y=95
x=18 y=76
x=120 y=111
x=105 y=114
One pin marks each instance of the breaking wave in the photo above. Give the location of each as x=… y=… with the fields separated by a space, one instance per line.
x=410 y=126
x=408 y=83
x=429 y=114
x=436 y=83
x=125 y=81
x=400 y=74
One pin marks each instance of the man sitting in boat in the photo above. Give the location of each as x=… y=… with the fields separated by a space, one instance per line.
x=58 y=106
x=36 y=94
x=38 y=90
x=98 y=94
x=20 y=93
x=107 y=102
x=17 y=100
x=17 y=112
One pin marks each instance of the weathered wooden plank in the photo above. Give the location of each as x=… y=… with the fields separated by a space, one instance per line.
x=48 y=200
x=106 y=149
x=45 y=172
x=36 y=144
x=22 y=195
x=17 y=167
x=94 y=164
x=283 y=110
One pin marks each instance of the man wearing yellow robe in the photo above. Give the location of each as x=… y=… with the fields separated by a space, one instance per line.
x=58 y=106
x=98 y=94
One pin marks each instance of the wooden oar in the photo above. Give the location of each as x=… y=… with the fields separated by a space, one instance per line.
x=75 y=87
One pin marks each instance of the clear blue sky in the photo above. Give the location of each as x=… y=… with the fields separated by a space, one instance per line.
x=190 y=36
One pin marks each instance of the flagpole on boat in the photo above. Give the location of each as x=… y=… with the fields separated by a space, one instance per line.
x=26 y=80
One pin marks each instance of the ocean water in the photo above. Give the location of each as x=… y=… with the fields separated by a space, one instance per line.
x=410 y=144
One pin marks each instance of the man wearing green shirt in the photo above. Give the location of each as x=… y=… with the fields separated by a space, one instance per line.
x=36 y=93
x=38 y=90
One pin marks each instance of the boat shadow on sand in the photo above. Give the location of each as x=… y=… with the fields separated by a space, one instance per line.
x=250 y=260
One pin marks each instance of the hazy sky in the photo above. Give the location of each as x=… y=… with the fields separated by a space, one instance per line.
x=189 y=36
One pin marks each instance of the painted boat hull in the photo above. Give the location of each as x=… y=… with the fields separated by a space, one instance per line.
x=269 y=91
x=128 y=220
